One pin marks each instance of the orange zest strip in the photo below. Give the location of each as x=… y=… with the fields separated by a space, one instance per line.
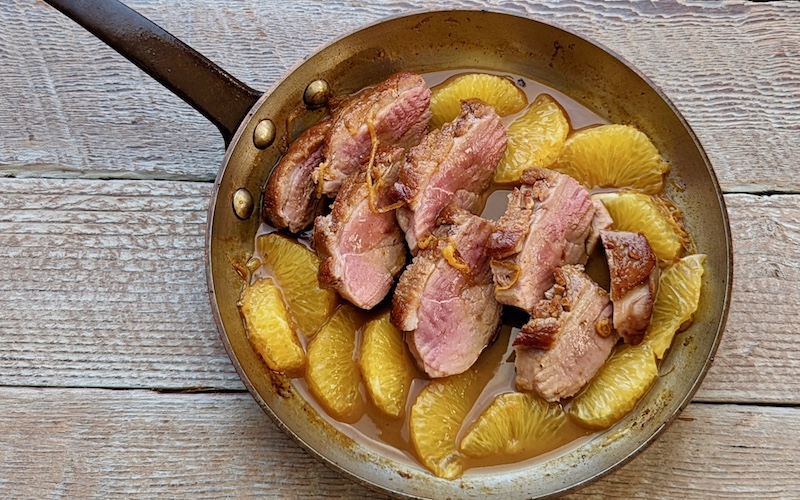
x=319 y=177
x=371 y=187
x=511 y=267
x=453 y=258
x=426 y=241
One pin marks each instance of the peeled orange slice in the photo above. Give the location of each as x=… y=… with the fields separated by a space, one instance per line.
x=535 y=139
x=268 y=327
x=386 y=366
x=437 y=416
x=498 y=92
x=332 y=373
x=617 y=156
x=295 y=268
x=617 y=387
x=639 y=212
x=514 y=423
x=677 y=299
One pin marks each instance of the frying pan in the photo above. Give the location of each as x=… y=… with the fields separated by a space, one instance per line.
x=253 y=124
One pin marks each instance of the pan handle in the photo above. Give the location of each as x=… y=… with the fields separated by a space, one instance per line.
x=205 y=86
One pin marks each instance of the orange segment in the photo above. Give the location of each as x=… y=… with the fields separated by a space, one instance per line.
x=637 y=212
x=295 y=268
x=386 y=366
x=498 y=92
x=535 y=139
x=268 y=327
x=617 y=156
x=617 y=387
x=436 y=417
x=332 y=373
x=514 y=423
x=677 y=299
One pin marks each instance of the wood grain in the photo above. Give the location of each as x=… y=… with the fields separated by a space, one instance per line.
x=713 y=451
x=82 y=111
x=104 y=188
x=757 y=357
x=103 y=285
x=101 y=443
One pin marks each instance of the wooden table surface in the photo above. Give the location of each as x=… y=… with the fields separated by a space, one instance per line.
x=113 y=380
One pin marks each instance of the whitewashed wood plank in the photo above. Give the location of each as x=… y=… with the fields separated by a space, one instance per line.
x=102 y=284
x=98 y=444
x=80 y=110
x=89 y=443
x=760 y=351
x=714 y=451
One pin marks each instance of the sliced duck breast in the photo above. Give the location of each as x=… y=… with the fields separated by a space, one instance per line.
x=360 y=244
x=567 y=339
x=445 y=300
x=454 y=164
x=547 y=223
x=634 y=272
x=290 y=198
x=395 y=112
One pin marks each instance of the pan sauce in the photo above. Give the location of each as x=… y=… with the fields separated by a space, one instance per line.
x=389 y=437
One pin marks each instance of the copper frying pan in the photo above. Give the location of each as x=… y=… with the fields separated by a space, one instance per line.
x=252 y=125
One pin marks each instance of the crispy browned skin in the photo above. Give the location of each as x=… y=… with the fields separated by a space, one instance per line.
x=631 y=260
x=290 y=199
x=634 y=282
x=542 y=336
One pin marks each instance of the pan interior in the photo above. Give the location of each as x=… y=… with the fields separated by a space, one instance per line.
x=452 y=40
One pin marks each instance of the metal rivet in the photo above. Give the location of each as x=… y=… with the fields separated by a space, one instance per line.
x=317 y=94
x=264 y=134
x=242 y=203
